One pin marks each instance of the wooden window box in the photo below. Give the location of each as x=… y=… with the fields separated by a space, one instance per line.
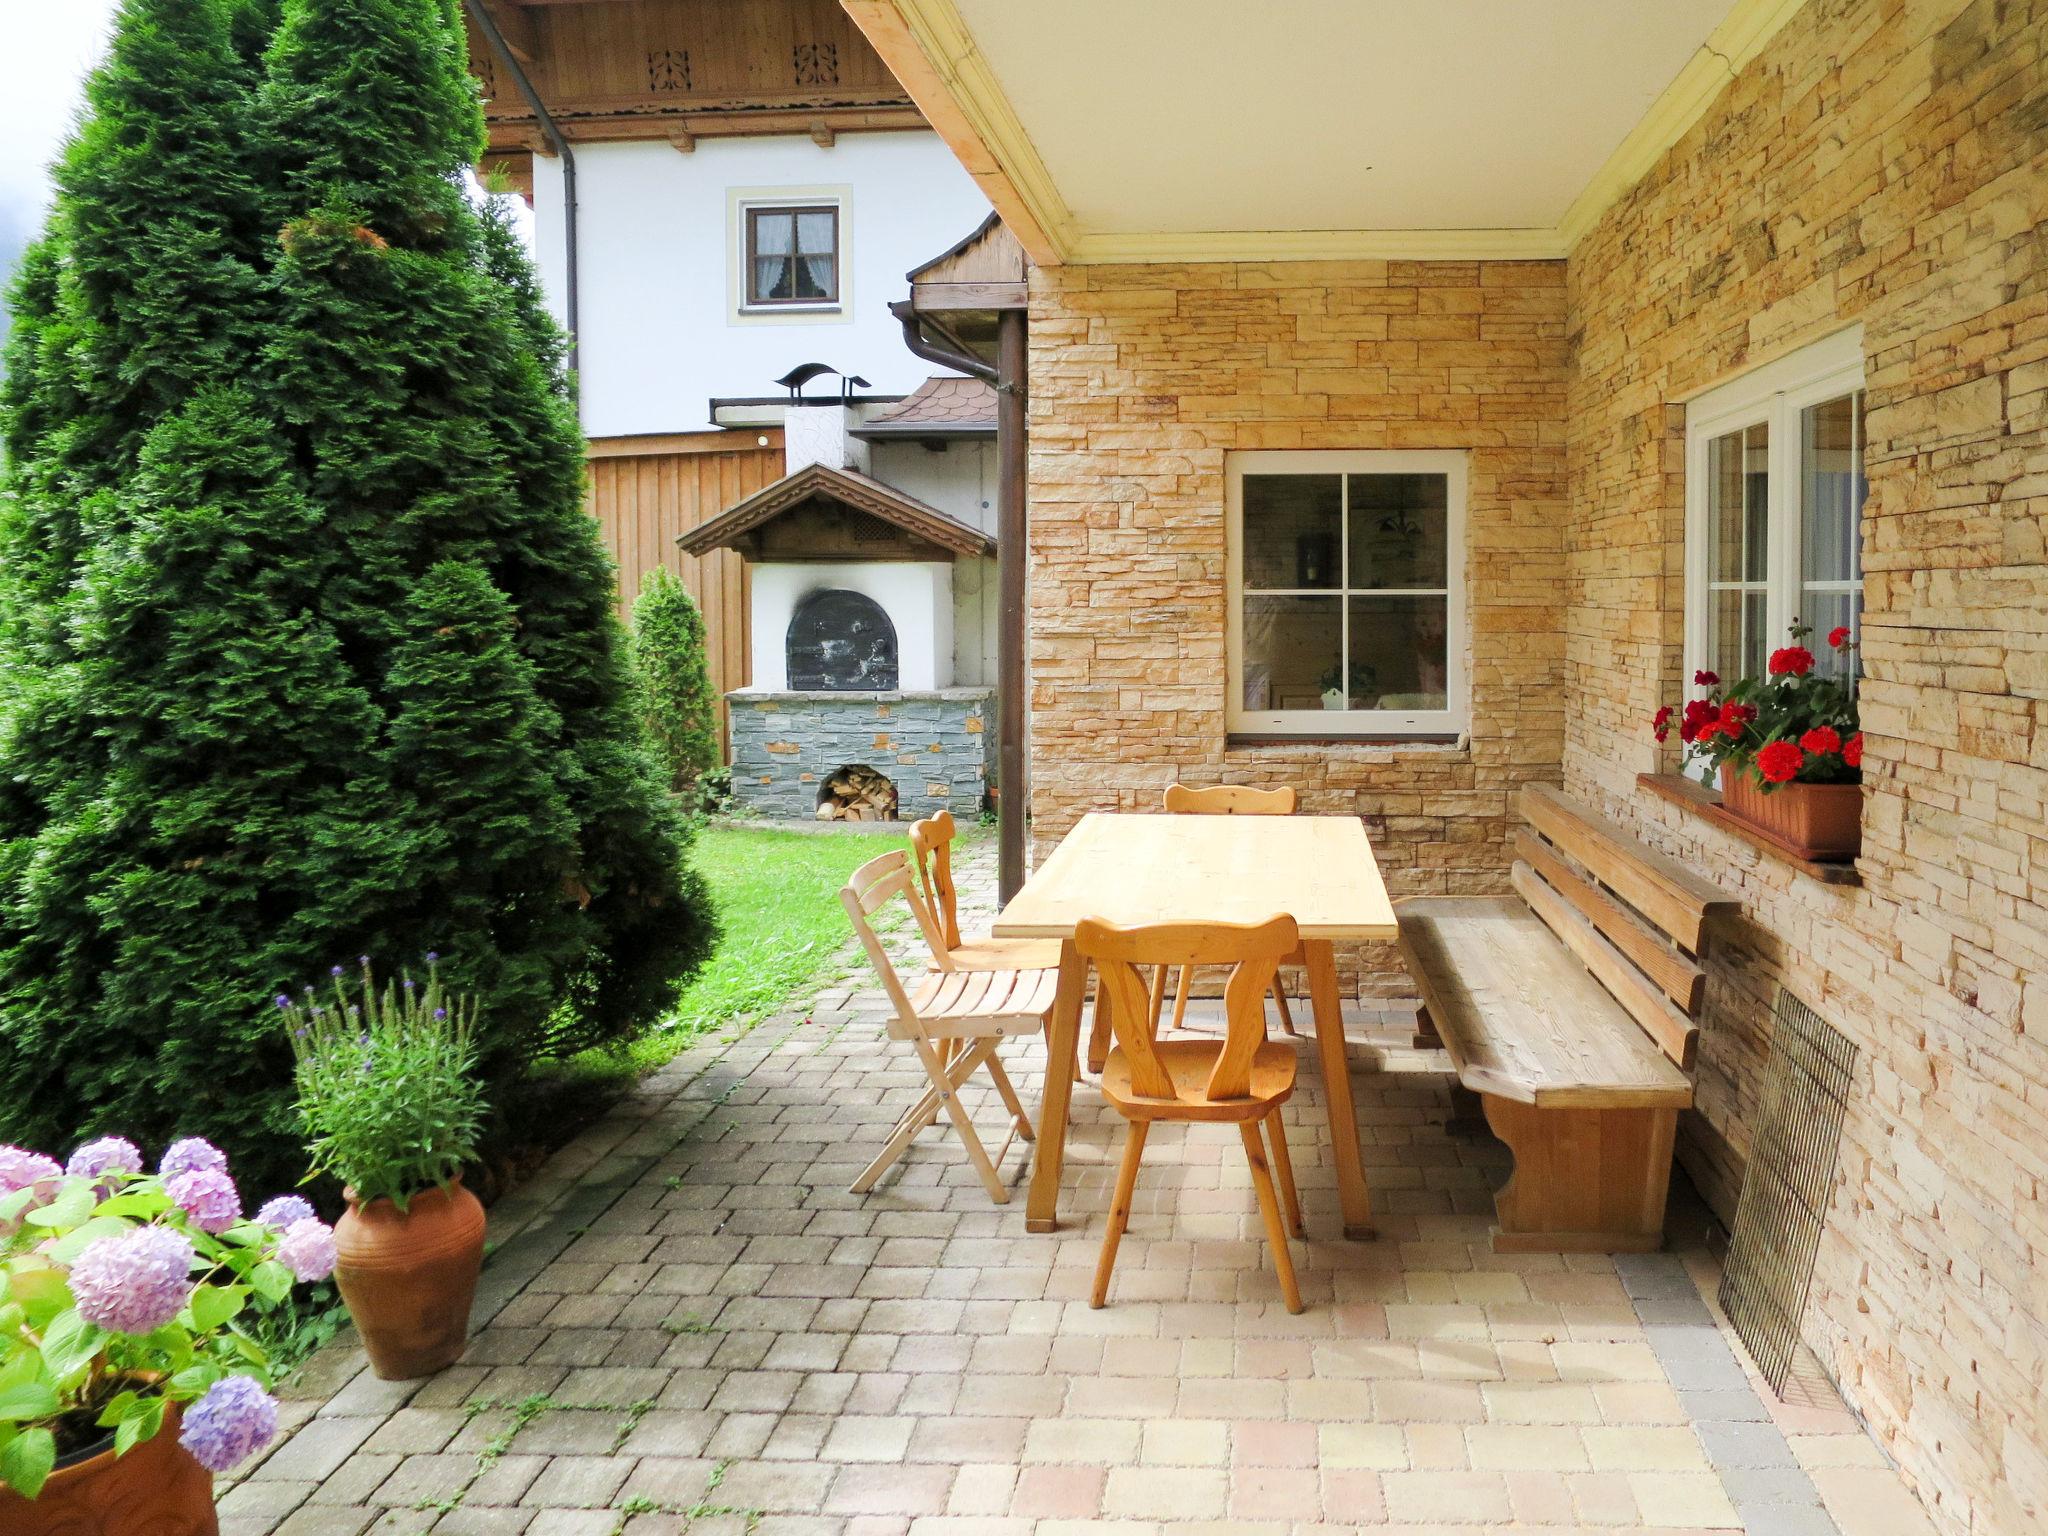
x=1706 y=803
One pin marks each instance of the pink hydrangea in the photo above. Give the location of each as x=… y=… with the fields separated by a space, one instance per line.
x=208 y=1196
x=281 y=1211
x=234 y=1418
x=134 y=1283
x=191 y=1155
x=307 y=1249
x=108 y=1155
x=23 y=1169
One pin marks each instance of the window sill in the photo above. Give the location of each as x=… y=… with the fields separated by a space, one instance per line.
x=1252 y=741
x=1705 y=803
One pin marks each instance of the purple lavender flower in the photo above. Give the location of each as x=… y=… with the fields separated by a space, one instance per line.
x=23 y=1169
x=208 y=1196
x=334 y=971
x=189 y=1156
x=281 y=1211
x=134 y=1283
x=283 y=1001
x=433 y=958
x=108 y=1155
x=307 y=1249
x=234 y=1418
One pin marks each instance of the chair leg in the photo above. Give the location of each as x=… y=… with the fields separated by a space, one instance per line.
x=1119 y=1208
x=946 y=1049
x=1280 y=1001
x=1269 y=1207
x=1158 y=998
x=1180 y=996
x=1010 y=1100
x=914 y=1119
x=947 y=1081
x=1099 y=1032
x=1283 y=1172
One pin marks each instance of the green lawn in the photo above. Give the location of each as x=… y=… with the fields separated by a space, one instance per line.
x=781 y=930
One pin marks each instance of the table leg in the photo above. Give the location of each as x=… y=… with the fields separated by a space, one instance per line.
x=1041 y=1209
x=1351 y=1187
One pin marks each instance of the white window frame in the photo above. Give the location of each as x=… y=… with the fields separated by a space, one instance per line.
x=1365 y=724
x=1772 y=396
x=741 y=201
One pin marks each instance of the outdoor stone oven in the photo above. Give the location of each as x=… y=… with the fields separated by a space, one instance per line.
x=852 y=640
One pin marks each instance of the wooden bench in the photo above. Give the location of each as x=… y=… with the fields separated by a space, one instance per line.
x=1570 y=1010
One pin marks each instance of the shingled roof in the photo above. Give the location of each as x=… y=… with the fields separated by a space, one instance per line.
x=939 y=407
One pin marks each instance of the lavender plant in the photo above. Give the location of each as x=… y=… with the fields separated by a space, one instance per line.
x=123 y=1292
x=387 y=1081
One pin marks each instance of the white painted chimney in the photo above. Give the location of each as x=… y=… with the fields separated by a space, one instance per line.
x=821 y=434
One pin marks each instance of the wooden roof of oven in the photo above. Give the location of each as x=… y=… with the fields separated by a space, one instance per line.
x=740 y=525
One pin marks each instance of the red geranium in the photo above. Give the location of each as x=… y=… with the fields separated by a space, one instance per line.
x=1852 y=751
x=1780 y=762
x=1838 y=636
x=1796 y=660
x=1821 y=740
x=1706 y=679
x=1662 y=724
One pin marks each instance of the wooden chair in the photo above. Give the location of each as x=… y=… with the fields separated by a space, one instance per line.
x=954 y=1020
x=931 y=850
x=1243 y=1079
x=1225 y=800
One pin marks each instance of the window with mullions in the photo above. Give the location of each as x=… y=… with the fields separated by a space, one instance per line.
x=1347 y=602
x=1775 y=492
x=792 y=256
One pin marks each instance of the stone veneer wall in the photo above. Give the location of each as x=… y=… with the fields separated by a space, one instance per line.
x=1142 y=379
x=1883 y=161
x=933 y=745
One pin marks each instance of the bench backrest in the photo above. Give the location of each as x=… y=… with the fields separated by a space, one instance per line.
x=1637 y=919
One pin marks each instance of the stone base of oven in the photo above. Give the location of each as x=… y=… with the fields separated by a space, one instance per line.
x=936 y=746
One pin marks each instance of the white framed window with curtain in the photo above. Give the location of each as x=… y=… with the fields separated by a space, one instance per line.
x=1346 y=577
x=790 y=247
x=1774 y=510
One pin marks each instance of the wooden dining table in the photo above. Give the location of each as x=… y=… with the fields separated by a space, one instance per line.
x=1133 y=870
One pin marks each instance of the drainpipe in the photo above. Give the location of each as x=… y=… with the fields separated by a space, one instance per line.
x=548 y=127
x=1008 y=377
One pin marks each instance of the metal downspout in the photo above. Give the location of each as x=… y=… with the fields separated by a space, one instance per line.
x=489 y=27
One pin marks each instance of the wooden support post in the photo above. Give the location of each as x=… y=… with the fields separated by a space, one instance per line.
x=1012 y=557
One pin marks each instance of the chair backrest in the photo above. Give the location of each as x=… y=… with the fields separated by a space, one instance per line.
x=1229 y=800
x=1252 y=950
x=1636 y=918
x=931 y=846
x=868 y=889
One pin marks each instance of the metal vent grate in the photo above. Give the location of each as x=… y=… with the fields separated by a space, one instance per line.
x=668 y=69
x=867 y=528
x=1785 y=1190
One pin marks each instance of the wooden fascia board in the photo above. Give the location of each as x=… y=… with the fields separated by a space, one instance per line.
x=932 y=56
x=666 y=125
x=652 y=444
x=892 y=506
x=940 y=298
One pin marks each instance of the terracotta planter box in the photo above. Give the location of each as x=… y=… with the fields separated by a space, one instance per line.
x=1821 y=822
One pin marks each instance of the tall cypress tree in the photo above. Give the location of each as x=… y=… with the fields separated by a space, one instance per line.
x=320 y=656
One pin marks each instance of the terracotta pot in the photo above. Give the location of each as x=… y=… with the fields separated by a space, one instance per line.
x=157 y=1489
x=408 y=1277
x=1809 y=821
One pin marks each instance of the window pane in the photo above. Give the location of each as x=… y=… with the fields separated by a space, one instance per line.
x=1290 y=536
x=1724 y=506
x=774 y=278
x=814 y=233
x=1831 y=490
x=1293 y=648
x=1399 y=653
x=1756 y=486
x=1735 y=635
x=773 y=233
x=1400 y=530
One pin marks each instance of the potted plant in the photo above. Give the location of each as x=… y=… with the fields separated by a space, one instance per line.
x=1332 y=685
x=126 y=1379
x=388 y=1094
x=1786 y=747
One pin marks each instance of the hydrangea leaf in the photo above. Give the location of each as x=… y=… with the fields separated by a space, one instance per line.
x=26 y=1460
x=272 y=1280
x=29 y=1400
x=68 y=1247
x=69 y=1344
x=140 y=1425
x=212 y=1305
x=72 y=1206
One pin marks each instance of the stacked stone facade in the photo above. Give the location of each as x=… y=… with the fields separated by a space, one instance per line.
x=1142 y=380
x=1882 y=161
x=933 y=745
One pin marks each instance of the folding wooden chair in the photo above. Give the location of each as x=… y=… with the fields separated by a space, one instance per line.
x=1225 y=800
x=954 y=1020
x=931 y=850
x=1242 y=1079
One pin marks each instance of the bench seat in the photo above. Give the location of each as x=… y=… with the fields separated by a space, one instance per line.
x=1571 y=1009
x=1521 y=1017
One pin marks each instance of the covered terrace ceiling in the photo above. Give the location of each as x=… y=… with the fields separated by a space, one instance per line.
x=1188 y=130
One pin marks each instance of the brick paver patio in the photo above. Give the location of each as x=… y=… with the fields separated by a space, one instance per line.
x=690 y=1325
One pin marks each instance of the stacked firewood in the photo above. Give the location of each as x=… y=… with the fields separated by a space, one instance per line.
x=858 y=794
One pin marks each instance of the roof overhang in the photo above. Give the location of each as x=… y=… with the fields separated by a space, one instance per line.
x=733 y=528
x=1193 y=130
